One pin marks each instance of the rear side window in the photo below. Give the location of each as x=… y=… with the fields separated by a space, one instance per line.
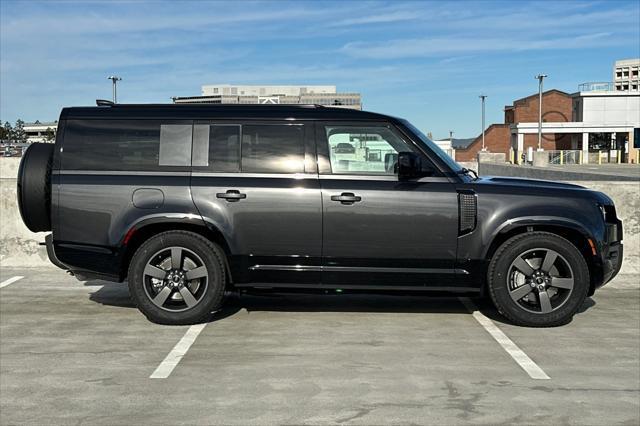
x=127 y=145
x=277 y=148
x=217 y=147
x=250 y=148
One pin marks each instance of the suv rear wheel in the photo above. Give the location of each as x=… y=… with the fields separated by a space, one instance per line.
x=177 y=277
x=538 y=279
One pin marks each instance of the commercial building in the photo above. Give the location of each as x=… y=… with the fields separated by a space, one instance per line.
x=37 y=132
x=626 y=75
x=595 y=124
x=243 y=94
x=557 y=106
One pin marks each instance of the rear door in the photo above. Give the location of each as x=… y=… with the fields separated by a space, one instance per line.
x=257 y=182
x=377 y=230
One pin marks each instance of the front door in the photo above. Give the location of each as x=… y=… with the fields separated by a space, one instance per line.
x=377 y=230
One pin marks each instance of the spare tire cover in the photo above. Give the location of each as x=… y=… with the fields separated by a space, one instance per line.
x=34 y=186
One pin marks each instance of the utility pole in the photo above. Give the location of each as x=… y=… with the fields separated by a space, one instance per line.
x=483 y=97
x=540 y=77
x=115 y=80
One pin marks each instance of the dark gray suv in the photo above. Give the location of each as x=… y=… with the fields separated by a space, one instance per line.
x=187 y=202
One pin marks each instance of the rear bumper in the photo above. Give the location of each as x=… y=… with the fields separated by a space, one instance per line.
x=80 y=273
x=51 y=253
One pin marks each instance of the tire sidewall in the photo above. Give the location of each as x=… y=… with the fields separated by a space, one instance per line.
x=34 y=186
x=498 y=276
x=211 y=257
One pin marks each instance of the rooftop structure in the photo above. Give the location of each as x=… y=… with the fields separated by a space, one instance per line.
x=245 y=94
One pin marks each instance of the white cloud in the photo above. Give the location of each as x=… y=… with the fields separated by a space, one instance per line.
x=438 y=46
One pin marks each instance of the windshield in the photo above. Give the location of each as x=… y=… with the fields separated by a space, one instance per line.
x=433 y=147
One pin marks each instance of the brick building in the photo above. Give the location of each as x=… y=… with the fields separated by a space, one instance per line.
x=557 y=106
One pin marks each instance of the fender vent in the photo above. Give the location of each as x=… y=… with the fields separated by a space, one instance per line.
x=468 y=209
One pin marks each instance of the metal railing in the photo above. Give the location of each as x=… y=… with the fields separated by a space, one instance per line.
x=565 y=157
x=596 y=86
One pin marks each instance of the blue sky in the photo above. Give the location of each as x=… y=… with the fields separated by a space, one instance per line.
x=425 y=61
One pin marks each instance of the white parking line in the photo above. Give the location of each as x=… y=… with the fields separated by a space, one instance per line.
x=523 y=360
x=179 y=350
x=11 y=280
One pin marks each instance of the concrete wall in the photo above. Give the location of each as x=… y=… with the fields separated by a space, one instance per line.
x=18 y=245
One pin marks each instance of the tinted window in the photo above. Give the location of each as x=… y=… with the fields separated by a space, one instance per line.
x=272 y=148
x=224 y=148
x=126 y=145
x=217 y=147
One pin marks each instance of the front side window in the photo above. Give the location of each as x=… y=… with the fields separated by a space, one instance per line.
x=368 y=150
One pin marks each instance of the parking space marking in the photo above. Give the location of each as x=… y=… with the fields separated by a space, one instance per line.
x=11 y=280
x=518 y=355
x=179 y=350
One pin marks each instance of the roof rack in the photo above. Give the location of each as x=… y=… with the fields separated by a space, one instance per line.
x=104 y=102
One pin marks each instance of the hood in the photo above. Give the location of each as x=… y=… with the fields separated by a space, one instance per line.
x=524 y=182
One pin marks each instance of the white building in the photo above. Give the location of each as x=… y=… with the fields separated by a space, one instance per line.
x=36 y=132
x=228 y=89
x=626 y=75
x=446 y=146
x=243 y=94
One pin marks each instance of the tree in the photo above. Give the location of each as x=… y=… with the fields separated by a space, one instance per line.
x=49 y=135
x=7 y=131
x=19 y=135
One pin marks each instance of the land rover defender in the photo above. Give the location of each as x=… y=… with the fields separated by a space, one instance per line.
x=187 y=202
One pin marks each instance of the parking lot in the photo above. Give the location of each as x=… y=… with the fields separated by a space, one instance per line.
x=80 y=353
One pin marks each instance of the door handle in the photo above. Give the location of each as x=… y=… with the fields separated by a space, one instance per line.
x=231 y=195
x=346 y=198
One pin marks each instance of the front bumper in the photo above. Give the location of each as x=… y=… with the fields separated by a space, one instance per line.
x=612 y=252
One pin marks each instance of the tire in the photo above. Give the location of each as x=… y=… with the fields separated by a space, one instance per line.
x=538 y=279
x=157 y=286
x=34 y=186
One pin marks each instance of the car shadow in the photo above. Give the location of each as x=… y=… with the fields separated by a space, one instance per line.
x=485 y=306
x=117 y=294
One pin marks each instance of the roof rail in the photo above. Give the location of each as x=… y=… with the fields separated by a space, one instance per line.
x=104 y=102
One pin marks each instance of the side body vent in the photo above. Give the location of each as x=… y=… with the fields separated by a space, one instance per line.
x=468 y=212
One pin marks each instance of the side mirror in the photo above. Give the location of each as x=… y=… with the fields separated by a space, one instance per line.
x=409 y=166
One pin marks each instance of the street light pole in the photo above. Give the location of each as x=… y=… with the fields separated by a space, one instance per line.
x=483 y=97
x=540 y=77
x=115 y=80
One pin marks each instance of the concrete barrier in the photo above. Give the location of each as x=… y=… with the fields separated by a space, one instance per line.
x=20 y=247
x=491 y=157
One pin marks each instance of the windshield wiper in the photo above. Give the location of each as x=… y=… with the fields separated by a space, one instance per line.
x=465 y=171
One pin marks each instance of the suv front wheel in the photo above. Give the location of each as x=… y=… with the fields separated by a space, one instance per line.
x=538 y=279
x=177 y=277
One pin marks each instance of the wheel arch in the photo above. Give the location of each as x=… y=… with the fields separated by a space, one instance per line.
x=142 y=231
x=573 y=232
